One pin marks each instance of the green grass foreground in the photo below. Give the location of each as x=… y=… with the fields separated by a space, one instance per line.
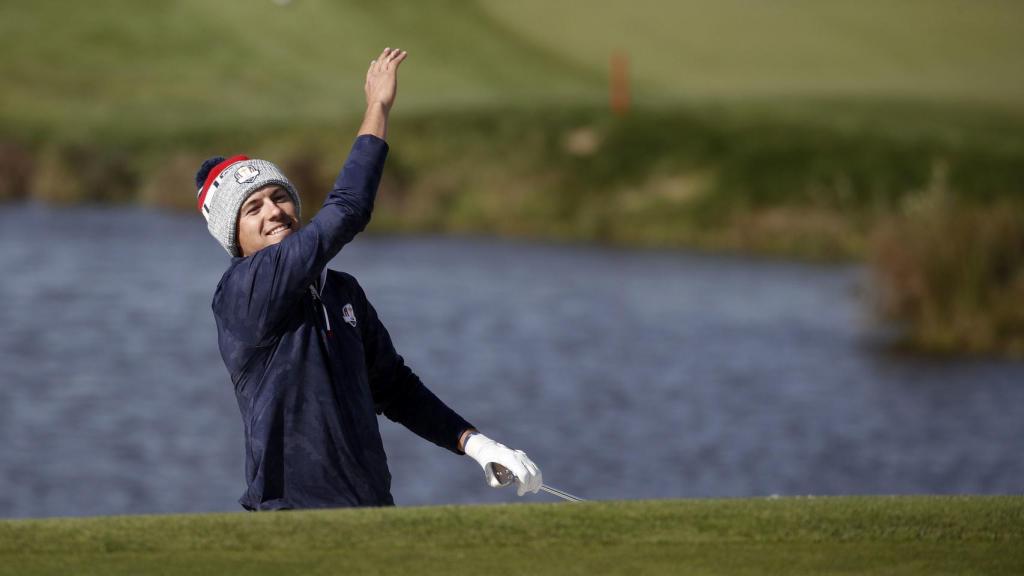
x=876 y=535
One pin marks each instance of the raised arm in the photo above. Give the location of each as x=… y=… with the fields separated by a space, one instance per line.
x=259 y=289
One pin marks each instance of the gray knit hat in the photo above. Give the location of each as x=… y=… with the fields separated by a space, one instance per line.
x=223 y=185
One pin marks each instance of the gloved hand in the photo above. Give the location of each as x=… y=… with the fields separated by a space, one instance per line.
x=488 y=452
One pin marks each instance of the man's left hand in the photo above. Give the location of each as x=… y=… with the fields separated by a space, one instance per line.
x=487 y=453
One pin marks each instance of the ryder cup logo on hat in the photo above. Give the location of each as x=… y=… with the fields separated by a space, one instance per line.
x=223 y=184
x=246 y=174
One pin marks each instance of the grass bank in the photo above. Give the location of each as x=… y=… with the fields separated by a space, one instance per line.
x=848 y=180
x=888 y=535
x=740 y=177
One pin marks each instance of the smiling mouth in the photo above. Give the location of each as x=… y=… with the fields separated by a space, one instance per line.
x=280 y=229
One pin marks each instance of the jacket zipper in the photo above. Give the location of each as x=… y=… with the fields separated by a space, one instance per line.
x=323 y=307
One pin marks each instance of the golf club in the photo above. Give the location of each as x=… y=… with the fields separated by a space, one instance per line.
x=506 y=477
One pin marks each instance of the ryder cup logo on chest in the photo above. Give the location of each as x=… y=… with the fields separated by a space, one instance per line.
x=246 y=174
x=349 y=315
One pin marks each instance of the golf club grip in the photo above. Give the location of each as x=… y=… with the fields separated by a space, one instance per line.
x=504 y=475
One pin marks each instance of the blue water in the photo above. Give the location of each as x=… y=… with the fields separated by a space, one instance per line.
x=622 y=373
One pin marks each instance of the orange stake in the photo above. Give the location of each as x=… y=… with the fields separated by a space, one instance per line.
x=619 y=83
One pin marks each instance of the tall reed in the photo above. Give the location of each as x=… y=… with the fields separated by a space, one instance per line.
x=951 y=274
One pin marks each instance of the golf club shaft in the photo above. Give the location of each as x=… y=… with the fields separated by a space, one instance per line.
x=506 y=477
x=560 y=494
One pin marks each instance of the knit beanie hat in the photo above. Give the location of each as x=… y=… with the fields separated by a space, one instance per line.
x=223 y=185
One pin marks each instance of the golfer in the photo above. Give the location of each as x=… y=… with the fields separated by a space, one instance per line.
x=311 y=363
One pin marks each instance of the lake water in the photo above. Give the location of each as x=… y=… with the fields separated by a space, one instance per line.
x=624 y=374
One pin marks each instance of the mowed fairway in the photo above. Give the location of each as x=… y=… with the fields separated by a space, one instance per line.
x=150 y=68
x=869 y=535
x=930 y=50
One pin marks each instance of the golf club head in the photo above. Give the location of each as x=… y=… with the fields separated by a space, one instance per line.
x=504 y=475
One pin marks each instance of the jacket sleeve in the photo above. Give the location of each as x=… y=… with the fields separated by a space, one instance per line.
x=399 y=394
x=260 y=289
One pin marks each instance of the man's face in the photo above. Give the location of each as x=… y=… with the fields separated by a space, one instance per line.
x=266 y=217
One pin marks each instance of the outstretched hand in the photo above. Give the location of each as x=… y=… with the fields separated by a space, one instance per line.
x=382 y=78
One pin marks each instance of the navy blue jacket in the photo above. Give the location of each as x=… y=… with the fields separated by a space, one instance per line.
x=312 y=365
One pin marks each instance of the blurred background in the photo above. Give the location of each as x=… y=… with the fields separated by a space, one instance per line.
x=669 y=249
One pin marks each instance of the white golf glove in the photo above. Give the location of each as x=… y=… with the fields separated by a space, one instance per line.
x=488 y=452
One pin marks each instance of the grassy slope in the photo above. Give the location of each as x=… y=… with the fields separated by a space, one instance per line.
x=171 y=66
x=905 y=535
x=927 y=50
x=160 y=67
